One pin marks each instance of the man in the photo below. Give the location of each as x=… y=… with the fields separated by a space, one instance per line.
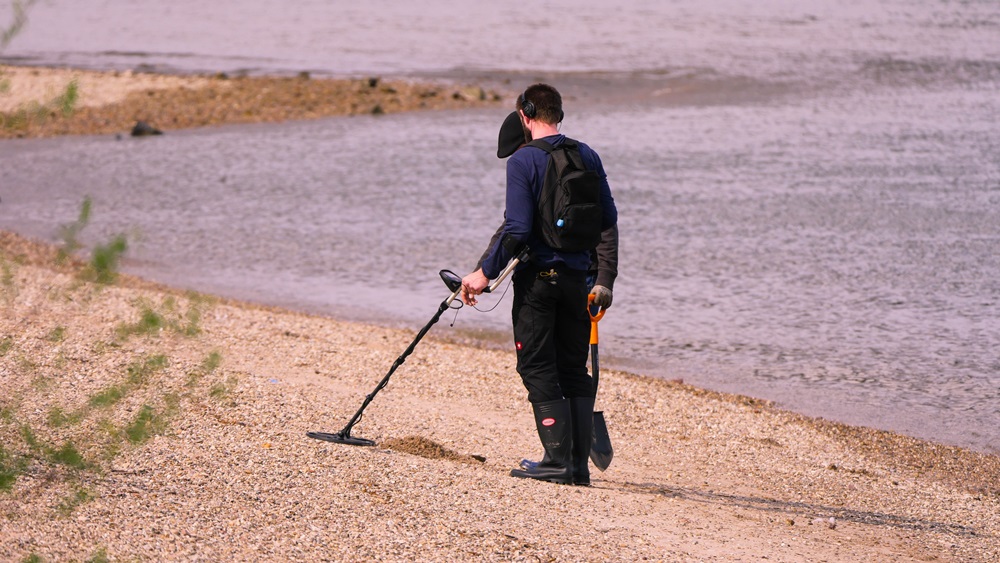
x=549 y=312
x=604 y=258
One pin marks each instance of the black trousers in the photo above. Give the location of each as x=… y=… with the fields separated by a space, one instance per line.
x=552 y=333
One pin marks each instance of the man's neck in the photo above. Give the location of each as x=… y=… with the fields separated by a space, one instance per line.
x=541 y=130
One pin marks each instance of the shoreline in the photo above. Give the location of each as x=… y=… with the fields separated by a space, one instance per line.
x=47 y=102
x=224 y=470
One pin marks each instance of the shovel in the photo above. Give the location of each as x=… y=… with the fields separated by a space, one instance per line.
x=601 y=451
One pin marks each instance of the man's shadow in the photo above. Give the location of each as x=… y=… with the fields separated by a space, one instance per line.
x=792 y=508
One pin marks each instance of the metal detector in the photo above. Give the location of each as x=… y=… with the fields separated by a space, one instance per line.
x=454 y=284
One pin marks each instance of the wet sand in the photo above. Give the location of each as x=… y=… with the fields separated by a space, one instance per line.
x=140 y=422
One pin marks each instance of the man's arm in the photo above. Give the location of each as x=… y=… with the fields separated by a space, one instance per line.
x=607 y=258
x=489 y=247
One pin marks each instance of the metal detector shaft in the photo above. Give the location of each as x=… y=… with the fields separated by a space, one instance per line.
x=506 y=272
x=344 y=436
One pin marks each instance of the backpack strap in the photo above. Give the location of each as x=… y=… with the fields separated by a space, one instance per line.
x=540 y=144
x=570 y=156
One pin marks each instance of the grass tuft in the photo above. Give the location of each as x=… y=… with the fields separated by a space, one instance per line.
x=58 y=418
x=143 y=426
x=150 y=322
x=70 y=232
x=107 y=397
x=66 y=102
x=208 y=365
x=149 y=423
x=169 y=315
x=105 y=260
x=11 y=467
x=58 y=334
x=69 y=456
x=99 y=556
x=139 y=371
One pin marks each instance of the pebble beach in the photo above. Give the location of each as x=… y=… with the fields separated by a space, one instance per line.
x=139 y=422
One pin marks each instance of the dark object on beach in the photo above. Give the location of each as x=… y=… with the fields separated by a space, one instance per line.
x=143 y=129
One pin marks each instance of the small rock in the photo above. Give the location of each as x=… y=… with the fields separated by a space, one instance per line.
x=143 y=129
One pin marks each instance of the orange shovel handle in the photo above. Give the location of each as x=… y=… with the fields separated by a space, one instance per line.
x=594 y=318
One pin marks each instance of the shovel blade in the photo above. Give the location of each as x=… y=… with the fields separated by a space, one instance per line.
x=601 y=451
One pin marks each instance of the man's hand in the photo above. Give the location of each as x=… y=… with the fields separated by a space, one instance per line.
x=472 y=285
x=602 y=296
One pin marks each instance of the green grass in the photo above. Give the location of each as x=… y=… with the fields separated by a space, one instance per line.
x=208 y=365
x=150 y=322
x=148 y=422
x=58 y=418
x=168 y=316
x=108 y=397
x=28 y=435
x=57 y=334
x=105 y=260
x=67 y=455
x=140 y=371
x=6 y=344
x=33 y=112
x=70 y=232
x=11 y=467
x=99 y=556
x=33 y=558
x=145 y=424
x=66 y=102
x=211 y=362
x=25 y=115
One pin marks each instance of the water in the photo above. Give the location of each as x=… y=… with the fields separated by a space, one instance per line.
x=809 y=191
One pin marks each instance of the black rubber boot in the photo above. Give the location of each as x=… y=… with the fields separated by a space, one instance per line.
x=552 y=419
x=582 y=409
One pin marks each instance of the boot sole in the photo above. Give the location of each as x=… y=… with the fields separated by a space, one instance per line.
x=525 y=475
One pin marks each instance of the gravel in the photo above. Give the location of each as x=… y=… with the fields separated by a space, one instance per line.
x=225 y=470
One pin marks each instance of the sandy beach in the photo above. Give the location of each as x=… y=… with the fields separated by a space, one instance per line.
x=139 y=422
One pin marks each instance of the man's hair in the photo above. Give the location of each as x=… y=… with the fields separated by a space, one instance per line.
x=546 y=101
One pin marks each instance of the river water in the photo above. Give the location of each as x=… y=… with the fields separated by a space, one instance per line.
x=809 y=191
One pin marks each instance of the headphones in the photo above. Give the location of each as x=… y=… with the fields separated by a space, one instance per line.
x=529 y=108
x=526 y=106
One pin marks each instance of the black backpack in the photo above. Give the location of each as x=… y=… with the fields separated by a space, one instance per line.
x=569 y=213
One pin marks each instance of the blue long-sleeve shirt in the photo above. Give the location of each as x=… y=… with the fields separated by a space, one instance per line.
x=525 y=177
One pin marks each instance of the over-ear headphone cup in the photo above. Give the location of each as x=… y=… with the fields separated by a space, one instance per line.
x=526 y=106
